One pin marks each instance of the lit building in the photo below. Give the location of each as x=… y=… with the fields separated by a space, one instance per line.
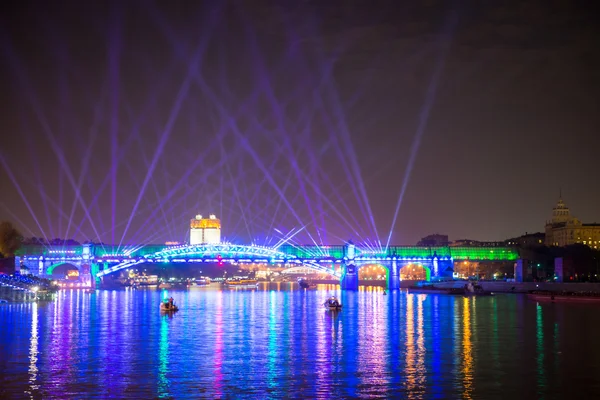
x=434 y=240
x=205 y=230
x=565 y=229
x=528 y=240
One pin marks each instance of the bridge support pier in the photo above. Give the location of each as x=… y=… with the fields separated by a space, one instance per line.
x=394 y=276
x=85 y=275
x=349 y=279
x=445 y=269
x=520 y=270
x=95 y=268
x=559 y=273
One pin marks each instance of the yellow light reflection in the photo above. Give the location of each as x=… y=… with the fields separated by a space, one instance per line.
x=467 y=355
x=420 y=369
x=415 y=347
x=411 y=379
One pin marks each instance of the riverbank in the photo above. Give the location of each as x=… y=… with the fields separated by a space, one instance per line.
x=24 y=288
x=526 y=287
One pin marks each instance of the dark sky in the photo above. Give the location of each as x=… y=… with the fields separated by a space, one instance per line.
x=121 y=120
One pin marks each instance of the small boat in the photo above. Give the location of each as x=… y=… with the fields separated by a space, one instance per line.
x=167 y=307
x=241 y=283
x=332 y=303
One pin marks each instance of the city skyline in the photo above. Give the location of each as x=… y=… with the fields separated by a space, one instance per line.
x=122 y=122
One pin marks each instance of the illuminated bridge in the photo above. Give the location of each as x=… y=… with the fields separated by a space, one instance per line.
x=340 y=261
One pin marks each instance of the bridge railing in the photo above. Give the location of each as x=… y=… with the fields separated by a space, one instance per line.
x=48 y=251
x=457 y=253
x=128 y=250
x=485 y=253
x=312 y=251
x=301 y=252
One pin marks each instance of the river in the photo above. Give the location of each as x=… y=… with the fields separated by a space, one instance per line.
x=279 y=342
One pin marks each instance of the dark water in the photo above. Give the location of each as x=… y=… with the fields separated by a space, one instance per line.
x=276 y=344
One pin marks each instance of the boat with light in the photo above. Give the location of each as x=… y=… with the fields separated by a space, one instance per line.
x=332 y=303
x=166 y=306
x=241 y=283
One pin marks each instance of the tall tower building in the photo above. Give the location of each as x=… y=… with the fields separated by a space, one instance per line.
x=561 y=213
x=205 y=230
x=564 y=229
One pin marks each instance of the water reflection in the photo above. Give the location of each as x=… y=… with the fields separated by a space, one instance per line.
x=61 y=346
x=436 y=347
x=556 y=350
x=495 y=338
x=411 y=379
x=163 y=358
x=420 y=370
x=261 y=344
x=415 y=347
x=373 y=337
x=467 y=356
x=541 y=381
x=327 y=337
x=33 y=352
x=273 y=345
x=218 y=358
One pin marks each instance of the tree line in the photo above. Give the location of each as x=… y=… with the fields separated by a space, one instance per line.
x=10 y=239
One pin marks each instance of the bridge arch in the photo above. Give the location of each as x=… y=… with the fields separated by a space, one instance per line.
x=361 y=267
x=301 y=268
x=404 y=269
x=59 y=267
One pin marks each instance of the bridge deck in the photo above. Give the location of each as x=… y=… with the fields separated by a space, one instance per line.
x=299 y=252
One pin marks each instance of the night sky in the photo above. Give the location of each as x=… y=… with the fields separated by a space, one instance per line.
x=122 y=120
